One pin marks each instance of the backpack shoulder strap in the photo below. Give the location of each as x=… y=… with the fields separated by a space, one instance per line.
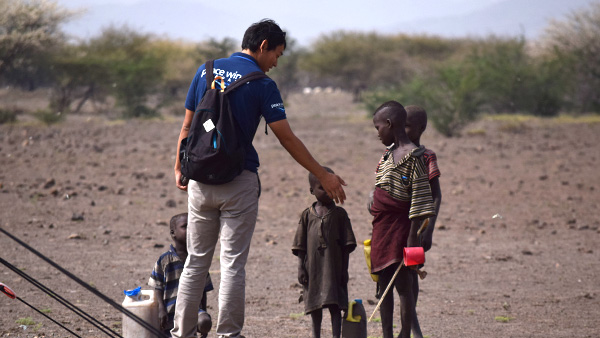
x=210 y=76
x=246 y=78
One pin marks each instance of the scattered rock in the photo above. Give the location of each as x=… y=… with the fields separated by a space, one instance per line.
x=171 y=204
x=49 y=183
x=162 y=222
x=102 y=188
x=504 y=258
x=527 y=253
x=75 y=236
x=158 y=245
x=543 y=177
x=77 y=217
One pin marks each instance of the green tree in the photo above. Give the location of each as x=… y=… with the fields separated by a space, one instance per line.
x=135 y=69
x=29 y=29
x=575 y=43
x=215 y=49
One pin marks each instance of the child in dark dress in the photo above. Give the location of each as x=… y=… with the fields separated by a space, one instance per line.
x=323 y=243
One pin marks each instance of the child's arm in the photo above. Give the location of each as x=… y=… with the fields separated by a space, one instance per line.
x=346 y=258
x=415 y=224
x=203 y=301
x=436 y=193
x=302 y=273
x=162 y=311
x=370 y=201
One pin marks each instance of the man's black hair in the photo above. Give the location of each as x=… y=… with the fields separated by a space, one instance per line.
x=175 y=218
x=265 y=29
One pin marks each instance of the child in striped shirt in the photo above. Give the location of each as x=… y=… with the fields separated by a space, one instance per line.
x=401 y=201
x=416 y=123
x=165 y=279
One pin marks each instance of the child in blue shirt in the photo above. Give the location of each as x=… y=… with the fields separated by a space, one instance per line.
x=165 y=279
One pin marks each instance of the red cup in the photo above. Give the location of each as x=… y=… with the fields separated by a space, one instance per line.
x=414 y=256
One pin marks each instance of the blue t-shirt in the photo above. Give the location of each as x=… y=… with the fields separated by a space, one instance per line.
x=249 y=103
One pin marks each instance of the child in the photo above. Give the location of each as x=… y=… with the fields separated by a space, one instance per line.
x=165 y=279
x=401 y=200
x=416 y=123
x=323 y=243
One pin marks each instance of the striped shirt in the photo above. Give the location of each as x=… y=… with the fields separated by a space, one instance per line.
x=165 y=276
x=407 y=180
x=431 y=163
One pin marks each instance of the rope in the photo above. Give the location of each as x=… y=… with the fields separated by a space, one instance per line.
x=11 y=294
x=61 y=300
x=117 y=306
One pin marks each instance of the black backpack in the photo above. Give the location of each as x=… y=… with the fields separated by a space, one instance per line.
x=215 y=150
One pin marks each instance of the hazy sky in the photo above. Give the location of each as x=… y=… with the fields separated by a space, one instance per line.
x=305 y=20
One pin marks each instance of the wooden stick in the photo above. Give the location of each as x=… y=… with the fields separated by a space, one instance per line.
x=421 y=229
x=386 y=290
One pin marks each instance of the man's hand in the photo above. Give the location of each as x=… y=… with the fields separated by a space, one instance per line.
x=332 y=184
x=180 y=185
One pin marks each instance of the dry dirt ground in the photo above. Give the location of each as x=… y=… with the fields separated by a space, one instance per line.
x=515 y=250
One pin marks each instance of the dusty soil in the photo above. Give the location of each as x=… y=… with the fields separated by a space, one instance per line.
x=517 y=237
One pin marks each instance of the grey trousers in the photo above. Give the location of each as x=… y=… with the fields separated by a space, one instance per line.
x=231 y=210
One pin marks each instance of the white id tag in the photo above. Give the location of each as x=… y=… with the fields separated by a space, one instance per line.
x=209 y=125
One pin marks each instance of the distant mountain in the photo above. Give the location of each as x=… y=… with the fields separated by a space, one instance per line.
x=176 y=19
x=505 y=18
x=195 y=21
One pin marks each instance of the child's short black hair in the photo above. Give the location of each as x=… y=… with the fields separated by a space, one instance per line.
x=265 y=29
x=175 y=218
x=419 y=112
x=394 y=111
x=312 y=178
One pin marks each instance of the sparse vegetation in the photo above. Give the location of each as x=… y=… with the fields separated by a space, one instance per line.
x=28 y=321
x=48 y=117
x=7 y=116
x=503 y=319
x=295 y=316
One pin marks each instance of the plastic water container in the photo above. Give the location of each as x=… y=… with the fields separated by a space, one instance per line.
x=367 y=249
x=144 y=305
x=355 y=323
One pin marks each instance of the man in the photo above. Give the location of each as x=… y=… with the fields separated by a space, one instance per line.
x=231 y=208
